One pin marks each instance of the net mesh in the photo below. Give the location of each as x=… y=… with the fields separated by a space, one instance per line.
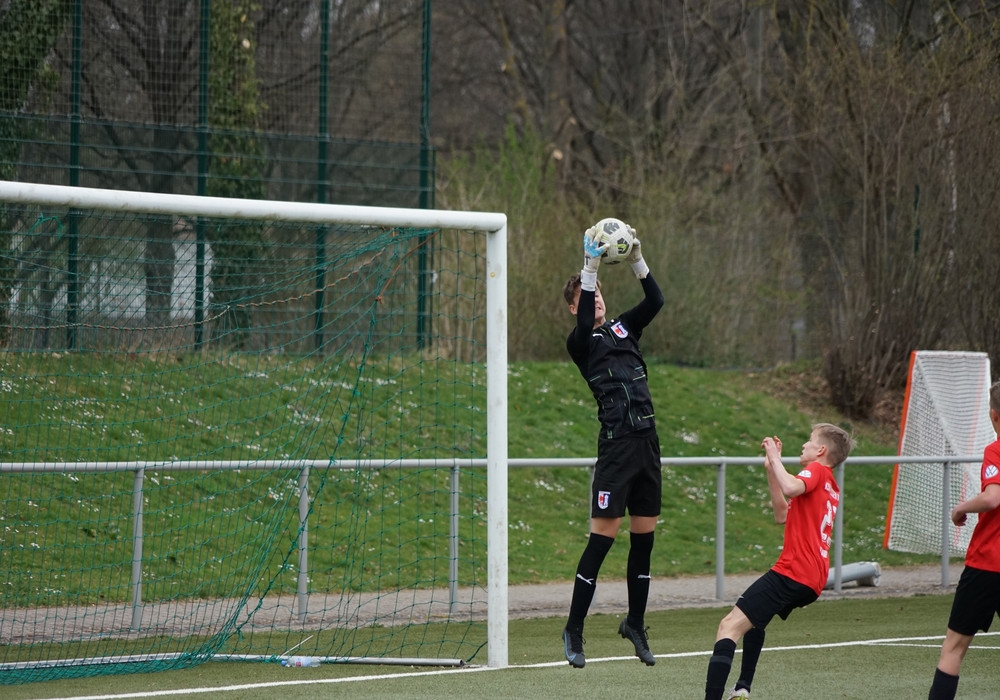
x=946 y=413
x=219 y=440
x=314 y=101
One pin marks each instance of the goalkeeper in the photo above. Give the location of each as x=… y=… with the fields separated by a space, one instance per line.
x=627 y=473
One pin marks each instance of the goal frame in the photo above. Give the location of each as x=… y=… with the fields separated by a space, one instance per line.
x=493 y=224
x=974 y=439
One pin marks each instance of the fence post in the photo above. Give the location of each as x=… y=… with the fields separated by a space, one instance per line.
x=945 y=520
x=140 y=474
x=838 y=532
x=720 y=531
x=453 y=542
x=303 y=580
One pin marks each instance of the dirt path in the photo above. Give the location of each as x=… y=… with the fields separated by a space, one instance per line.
x=351 y=610
x=700 y=591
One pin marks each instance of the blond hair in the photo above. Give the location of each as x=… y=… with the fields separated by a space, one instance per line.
x=995 y=397
x=838 y=443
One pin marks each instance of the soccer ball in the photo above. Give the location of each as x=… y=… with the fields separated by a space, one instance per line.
x=615 y=232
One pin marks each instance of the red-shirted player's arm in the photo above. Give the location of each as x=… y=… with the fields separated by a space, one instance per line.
x=987 y=500
x=790 y=485
x=778 y=503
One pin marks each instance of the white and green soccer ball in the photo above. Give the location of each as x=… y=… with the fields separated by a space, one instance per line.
x=617 y=234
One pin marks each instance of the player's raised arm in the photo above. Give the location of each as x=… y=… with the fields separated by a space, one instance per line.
x=593 y=249
x=653 y=300
x=585 y=306
x=789 y=484
x=639 y=266
x=772 y=451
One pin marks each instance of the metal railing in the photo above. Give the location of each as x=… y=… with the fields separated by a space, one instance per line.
x=455 y=465
x=837 y=564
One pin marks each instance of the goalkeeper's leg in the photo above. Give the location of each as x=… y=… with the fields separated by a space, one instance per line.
x=583 y=595
x=639 y=555
x=586 y=579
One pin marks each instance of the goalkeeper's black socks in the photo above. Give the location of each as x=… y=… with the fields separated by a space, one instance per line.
x=944 y=686
x=637 y=576
x=718 y=668
x=586 y=579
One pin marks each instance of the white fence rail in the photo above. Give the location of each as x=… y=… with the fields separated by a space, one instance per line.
x=455 y=465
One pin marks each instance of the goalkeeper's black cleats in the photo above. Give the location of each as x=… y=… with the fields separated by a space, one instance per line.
x=638 y=638
x=573 y=646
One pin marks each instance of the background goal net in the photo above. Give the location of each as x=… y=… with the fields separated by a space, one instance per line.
x=946 y=412
x=238 y=429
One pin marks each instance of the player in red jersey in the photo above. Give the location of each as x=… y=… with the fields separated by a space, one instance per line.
x=806 y=503
x=977 y=597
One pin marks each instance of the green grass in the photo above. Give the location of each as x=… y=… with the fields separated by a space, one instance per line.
x=682 y=639
x=700 y=413
x=81 y=407
x=209 y=534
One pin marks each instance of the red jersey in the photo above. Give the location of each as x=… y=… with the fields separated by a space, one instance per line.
x=805 y=556
x=984 y=547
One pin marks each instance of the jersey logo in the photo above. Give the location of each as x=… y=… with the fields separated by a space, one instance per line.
x=990 y=471
x=618 y=329
x=805 y=474
x=603 y=499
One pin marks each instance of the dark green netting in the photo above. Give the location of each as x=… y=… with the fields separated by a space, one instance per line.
x=199 y=373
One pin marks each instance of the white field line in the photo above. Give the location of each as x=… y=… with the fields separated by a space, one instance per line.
x=889 y=641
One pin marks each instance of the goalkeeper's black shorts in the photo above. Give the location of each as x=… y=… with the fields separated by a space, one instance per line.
x=627 y=476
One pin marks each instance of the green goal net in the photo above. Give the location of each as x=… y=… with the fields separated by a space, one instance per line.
x=243 y=430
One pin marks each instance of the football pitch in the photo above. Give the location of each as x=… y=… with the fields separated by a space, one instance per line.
x=874 y=648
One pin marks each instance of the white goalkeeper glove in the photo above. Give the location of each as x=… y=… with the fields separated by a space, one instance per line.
x=592 y=251
x=639 y=266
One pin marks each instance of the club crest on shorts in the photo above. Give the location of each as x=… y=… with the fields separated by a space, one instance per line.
x=603 y=499
x=618 y=329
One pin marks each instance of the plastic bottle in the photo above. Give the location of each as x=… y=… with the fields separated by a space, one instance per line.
x=297 y=661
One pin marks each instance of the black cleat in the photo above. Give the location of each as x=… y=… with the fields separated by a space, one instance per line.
x=573 y=646
x=638 y=639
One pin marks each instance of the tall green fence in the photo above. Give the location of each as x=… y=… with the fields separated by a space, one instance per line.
x=267 y=99
x=322 y=101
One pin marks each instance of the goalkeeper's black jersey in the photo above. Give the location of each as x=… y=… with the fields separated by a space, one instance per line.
x=610 y=360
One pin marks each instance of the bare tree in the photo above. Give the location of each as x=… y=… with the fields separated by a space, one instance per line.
x=30 y=29
x=142 y=95
x=870 y=167
x=637 y=103
x=373 y=61
x=148 y=52
x=607 y=83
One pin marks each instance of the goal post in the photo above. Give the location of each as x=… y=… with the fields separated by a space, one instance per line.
x=945 y=413
x=236 y=429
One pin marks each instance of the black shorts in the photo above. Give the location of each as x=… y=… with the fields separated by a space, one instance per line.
x=977 y=599
x=773 y=594
x=627 y=475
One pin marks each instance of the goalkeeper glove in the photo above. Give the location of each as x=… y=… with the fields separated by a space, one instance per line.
x=639 y=266
x=592 y=251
